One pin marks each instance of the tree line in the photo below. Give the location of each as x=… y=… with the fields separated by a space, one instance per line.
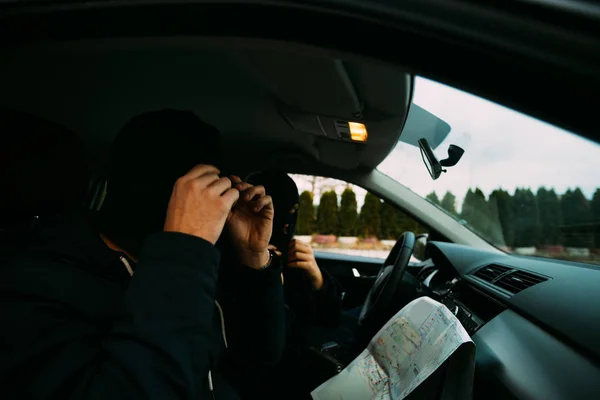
x=542 y=218
x=377 y=218
x=522 y=219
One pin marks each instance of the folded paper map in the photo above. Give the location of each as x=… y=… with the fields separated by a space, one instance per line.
x=407 y=350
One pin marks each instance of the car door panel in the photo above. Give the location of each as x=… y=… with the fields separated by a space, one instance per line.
x=345 y=269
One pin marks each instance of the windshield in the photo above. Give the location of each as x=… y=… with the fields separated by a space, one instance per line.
x=525 y=186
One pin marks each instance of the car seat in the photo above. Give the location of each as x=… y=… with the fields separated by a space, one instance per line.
x=43 y=171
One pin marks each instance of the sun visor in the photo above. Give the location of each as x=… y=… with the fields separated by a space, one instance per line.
x=313 y=85
x=339 y=154
x=420 y=123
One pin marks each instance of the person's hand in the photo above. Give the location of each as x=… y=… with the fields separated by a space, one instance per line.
x=274 y=249
x=200 y=203
x=250 y=224
x=301 y=256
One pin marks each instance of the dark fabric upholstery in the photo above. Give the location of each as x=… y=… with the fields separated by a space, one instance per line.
x=42 y=166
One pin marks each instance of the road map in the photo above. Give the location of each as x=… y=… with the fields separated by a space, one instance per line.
x=407 y=350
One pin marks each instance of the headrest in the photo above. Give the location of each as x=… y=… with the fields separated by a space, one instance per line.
x=42 y=166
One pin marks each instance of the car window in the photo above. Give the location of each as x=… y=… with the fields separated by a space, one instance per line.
x=523 y=185
x=337 y=217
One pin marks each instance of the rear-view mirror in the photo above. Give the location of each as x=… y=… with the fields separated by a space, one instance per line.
x=434 y=166
x=431 y=162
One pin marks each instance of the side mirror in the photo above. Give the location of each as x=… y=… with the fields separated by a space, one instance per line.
x=431 y=162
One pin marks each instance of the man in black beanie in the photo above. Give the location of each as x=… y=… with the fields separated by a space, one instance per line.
x=150 y=152
x=123 y=306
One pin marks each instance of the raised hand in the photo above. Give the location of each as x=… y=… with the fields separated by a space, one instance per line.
x=200 y=203
x=301 y=256
x=250 y=223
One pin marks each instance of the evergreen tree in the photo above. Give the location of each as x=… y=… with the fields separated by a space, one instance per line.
x=327 y=214
x=576 y=211
x=395 y=222
x=582 y=210
x=566 y=207
x=550 y=217
x=432 y=197
x=527 y=218
x=391 y=221
x=449 y=203
x=306 y=214
x=348 y=215
x=490 y=226
x=501 y=211
x=476 y=212
x=369 y=220
x=408 y=223
x=467 y=213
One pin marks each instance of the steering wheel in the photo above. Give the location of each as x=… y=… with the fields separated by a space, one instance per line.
x=381 y=295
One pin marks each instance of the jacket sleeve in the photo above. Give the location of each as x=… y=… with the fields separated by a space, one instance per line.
x=328 y=302
x=309 y=307
x=159 y=347
x=254 y=313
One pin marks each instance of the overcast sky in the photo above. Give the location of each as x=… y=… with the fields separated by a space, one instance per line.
x=503 y=149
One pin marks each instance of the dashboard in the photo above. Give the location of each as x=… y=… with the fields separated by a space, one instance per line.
x=535 y=322
x=455 y=294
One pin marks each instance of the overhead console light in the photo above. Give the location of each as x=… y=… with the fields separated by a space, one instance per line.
x=351 y=131
x=358 y=131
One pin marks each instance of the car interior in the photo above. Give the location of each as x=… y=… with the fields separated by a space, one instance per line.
x=288 y=104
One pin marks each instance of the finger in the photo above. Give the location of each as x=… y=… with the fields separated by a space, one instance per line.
x=254 y=191
x=299 y=241
x=297 y=245
x=299 y=264
x=235 y=179
x=230 y=197
x=220 y=186
x=279 y=254
x=303 y=247
x=204 y=180
x=199 y=170
x=261 y=204
x=274 y=248
x=299 y=256
x=241 y=186
x=294 y=243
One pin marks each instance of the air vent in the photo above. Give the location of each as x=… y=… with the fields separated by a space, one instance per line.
x=518 y=281
x=491 y=272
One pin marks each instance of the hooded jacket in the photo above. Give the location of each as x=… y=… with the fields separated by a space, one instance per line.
x=79 y=320
x=307 y=308
x=76 y=324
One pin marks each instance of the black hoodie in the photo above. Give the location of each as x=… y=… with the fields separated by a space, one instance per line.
x=77 y=325
x=307 y=307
